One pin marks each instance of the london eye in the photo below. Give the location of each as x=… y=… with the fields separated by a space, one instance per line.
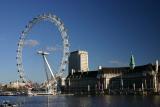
x=53 y=19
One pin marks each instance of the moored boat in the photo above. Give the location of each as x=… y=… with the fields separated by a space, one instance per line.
x=8 y=104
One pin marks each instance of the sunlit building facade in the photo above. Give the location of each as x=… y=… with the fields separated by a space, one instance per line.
x=130 y=79
x=115 y=80
x=78 y=61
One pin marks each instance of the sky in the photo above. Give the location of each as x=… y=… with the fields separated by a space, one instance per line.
x=110 y=30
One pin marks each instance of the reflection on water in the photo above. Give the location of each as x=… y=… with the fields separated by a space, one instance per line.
x=84 y=101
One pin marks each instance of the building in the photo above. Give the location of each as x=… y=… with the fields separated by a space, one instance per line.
x=115 y=80
x=131 y=79
x=141 y=78
x=78 y=61
x=82 y=82
x=15 y=84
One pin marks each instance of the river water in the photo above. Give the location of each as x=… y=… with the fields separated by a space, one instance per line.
x=84 y=101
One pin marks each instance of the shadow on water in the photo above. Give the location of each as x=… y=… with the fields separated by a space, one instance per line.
x=84 y=101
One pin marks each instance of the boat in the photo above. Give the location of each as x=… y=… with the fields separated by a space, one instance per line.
x=7 y=93
x=7 y=103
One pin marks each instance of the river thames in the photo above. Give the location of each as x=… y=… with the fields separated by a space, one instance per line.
x=84 y=101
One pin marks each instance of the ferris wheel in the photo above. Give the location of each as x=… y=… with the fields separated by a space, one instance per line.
x=65 y=44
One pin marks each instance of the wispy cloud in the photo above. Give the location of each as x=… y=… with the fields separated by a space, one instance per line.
x=31 y=43
x=118 y=63
x=53 y=48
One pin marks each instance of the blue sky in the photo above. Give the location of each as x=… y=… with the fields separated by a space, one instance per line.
x=108 y=29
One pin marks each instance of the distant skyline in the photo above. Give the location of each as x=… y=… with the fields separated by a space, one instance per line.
x=108 y=30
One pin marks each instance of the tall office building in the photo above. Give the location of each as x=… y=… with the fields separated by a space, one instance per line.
x=78 y=61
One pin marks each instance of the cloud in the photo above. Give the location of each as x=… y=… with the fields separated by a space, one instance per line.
x=53 y=48
x=118 y=63
x=31 y=43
